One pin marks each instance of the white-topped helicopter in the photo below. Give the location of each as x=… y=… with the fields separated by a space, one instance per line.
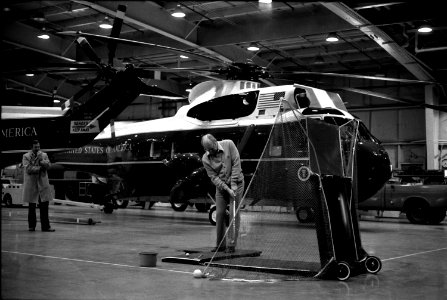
x=161 y=158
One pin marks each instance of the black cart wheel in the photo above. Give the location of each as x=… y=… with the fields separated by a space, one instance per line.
x=212 y=215
x=343 y=271
x=373 y=264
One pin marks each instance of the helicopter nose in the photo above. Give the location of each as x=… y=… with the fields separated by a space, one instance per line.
x=373 y=169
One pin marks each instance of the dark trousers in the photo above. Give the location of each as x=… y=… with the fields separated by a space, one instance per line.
x=44 y=220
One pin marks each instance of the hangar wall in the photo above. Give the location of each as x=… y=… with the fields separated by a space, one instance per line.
x=402 y=132
x=402 y=129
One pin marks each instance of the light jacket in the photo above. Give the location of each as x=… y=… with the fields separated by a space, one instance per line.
x=35 y=177
x=224 y=168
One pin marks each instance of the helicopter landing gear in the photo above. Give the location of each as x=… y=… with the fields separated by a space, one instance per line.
x=212 y=215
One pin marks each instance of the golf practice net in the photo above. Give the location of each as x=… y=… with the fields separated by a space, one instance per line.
x=301 y=153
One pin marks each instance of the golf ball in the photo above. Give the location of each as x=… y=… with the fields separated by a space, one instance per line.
x=197 y=273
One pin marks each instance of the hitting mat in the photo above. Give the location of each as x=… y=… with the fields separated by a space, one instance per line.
x=200 y=256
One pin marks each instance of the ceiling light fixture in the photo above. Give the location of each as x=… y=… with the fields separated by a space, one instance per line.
x=425 y=28
x=105 y=24
x=332 y=37
x=29 y=74
x=178 y=12
x=265 y=1
x=183 y=56
x=43 y=36
x=253 y=47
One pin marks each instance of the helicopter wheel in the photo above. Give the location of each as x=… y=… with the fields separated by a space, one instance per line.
x=177 y=198
x=212 y=215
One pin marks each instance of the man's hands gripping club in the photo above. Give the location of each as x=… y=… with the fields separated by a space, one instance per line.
x=230 y=191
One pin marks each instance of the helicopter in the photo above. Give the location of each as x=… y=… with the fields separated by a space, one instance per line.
x=161 y=158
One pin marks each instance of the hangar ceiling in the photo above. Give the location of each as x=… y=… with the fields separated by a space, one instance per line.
x=375 y=39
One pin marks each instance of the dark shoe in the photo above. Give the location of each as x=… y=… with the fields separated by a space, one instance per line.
x=49 y=230
x=230 y=249
x=31 y=229
x=218 y=249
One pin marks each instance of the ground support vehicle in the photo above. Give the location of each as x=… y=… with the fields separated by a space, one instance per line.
x=422 y=203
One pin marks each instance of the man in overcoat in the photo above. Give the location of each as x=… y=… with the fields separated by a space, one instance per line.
x=36 y=187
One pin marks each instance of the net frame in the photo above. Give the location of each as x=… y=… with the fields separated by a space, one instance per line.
x=347 y=159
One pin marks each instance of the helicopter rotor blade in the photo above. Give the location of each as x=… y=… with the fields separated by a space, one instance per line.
x=116 y=30
x=73 y=100
x=88 y=50
x=148 y=72
x=138 y=43
x=358 y=77
x=401 y=100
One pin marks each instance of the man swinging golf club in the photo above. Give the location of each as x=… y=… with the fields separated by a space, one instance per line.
x=222 y=164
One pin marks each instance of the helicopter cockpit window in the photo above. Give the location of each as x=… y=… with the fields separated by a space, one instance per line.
x=300 y=97
x=336 y=120
x=365 y=135
x=321 y=111
x=226 y=107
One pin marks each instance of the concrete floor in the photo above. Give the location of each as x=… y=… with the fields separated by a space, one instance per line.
x=102 y=261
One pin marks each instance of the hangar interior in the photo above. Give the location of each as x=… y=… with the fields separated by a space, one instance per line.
x=388 y=73
x=379 y=39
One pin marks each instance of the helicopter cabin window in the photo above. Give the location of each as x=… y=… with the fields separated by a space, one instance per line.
x=155 y=150
x=226 y=107
x=159 y=149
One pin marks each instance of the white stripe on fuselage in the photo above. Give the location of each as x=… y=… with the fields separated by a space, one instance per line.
x=28 y=112
x=44 y=150
x=147 y=162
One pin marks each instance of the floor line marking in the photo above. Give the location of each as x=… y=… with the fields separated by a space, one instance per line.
x=413 y=254
x=94 y=262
